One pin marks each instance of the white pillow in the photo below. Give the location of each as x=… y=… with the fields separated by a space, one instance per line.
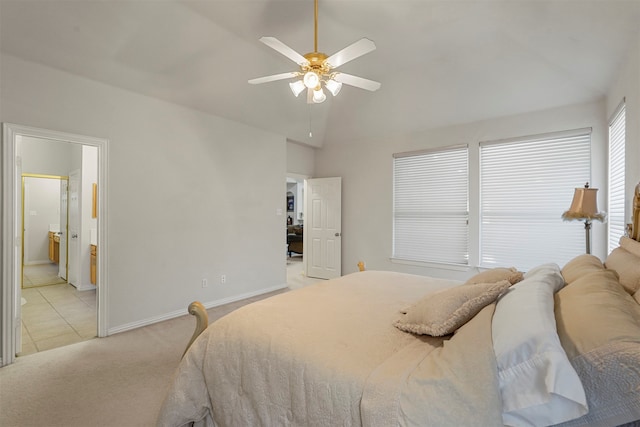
x=539 y=386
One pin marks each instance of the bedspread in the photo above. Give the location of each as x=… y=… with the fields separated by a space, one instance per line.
x=328 y=354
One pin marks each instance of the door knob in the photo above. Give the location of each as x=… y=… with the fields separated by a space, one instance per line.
x=74 y=236
x=337 y=234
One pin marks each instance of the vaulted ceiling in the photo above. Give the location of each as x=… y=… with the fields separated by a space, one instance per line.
x=440 y=62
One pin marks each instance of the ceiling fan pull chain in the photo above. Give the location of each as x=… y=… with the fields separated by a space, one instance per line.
x=310 y=133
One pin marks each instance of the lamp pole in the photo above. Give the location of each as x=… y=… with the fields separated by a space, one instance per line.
x=587 y=231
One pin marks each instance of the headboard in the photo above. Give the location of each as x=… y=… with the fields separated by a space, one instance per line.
x=634 y=227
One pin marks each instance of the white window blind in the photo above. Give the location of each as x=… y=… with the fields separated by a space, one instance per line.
x=525 y=186
x=430 y=208
x=615 y=207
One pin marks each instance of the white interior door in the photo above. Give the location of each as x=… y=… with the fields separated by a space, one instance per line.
x=323 y=227
x=73 y=238
x=64 y=230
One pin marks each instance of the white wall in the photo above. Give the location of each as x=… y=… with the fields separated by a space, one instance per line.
x=300 y=164
x=627 y=85
x=366 y=168
x=191 y=196
x=44 y=157
x=300 y=159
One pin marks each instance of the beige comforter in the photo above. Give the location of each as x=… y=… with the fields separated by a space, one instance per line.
x=328 y=355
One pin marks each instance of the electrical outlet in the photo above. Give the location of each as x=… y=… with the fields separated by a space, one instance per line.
x=204 y=283
x=223 y=279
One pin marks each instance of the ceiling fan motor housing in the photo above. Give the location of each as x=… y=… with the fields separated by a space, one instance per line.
x=316 y=63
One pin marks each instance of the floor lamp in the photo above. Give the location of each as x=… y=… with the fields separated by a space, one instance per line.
x=584 y=207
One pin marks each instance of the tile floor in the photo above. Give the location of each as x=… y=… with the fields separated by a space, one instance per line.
x=56 y=315
x=40 y=274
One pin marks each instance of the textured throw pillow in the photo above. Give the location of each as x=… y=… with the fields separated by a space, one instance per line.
x=538 y=385
x=495 y=275
x=442 y=312
x=580 y=266
x=627 y=265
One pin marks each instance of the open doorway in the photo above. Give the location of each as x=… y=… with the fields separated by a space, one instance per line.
x=295 y=217
x=58 y=305
x=296 y=274
x=32 y=151
x=44 y=230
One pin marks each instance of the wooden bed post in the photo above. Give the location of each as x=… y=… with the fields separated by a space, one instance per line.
x=634 y=231
x=202 y=321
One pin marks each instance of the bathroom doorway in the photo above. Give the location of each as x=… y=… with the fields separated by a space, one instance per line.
x=38 y=151
x=44 y=231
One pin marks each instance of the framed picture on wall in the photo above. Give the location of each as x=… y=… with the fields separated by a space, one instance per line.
x=290 y=204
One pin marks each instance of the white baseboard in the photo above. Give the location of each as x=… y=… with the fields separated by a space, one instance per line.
x=38 y=262
x=182 y=312
x=85 y=287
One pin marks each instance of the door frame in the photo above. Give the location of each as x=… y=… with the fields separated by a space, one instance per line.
x=11 y=242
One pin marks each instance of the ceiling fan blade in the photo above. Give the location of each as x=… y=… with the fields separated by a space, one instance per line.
x=273 y=78
x=276 y=44
x=356 y=81
x=353 y=51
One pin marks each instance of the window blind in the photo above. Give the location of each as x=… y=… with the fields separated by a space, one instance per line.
x=430 y=208
x=615 y=207
x=525 y=186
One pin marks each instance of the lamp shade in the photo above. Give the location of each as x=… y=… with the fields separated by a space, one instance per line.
x=584 y=206
x=297 y=87
x=319 y=96
x=333 y=87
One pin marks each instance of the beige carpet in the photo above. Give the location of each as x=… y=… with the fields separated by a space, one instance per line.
x=115 y=381
x=295 y=273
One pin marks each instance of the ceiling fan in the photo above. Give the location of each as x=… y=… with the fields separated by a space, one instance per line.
x=317 y=69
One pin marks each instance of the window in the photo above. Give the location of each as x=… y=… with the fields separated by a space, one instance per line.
x=616 y=219
x=430 y=206
x=525 y=186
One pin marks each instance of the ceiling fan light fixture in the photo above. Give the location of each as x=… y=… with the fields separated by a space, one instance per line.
x=297 y=87
x=333 y=86
x=319 y=96
x=311 y=79
x=317 y=69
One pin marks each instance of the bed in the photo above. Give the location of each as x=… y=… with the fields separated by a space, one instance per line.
x=556 y=345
